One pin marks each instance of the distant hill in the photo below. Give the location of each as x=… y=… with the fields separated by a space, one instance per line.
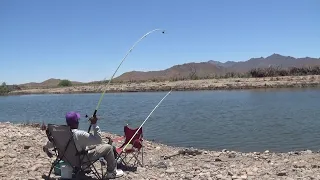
x=211 y=68
x=194 y=70
x=274 y=60
x=176 y=72
x=47 y=83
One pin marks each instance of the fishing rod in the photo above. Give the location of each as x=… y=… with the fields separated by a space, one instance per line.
x=102 y=95
x=146 y=119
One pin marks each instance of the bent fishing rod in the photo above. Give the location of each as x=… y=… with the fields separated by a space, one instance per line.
x=146 y=120
x=130 y=50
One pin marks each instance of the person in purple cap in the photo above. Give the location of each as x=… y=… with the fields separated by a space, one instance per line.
x=83 y=140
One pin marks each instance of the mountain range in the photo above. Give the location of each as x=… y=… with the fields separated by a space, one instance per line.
x=203 y=69
x=212 y=67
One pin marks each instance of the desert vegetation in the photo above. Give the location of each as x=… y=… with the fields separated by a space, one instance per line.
x=4 y=89
x=253 y=73
x=265 y=72
x=65 y=83
x=277 y=71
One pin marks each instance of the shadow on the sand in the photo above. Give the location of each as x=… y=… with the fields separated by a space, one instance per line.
x=82 y=177
x=127 y=168
x=86 y=177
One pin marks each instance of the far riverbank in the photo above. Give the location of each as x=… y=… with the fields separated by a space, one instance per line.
x=187 y=85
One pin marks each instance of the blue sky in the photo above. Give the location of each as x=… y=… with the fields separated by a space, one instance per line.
x=86 y=40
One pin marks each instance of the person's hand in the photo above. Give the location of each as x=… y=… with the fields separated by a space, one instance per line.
x=109 y=140
x=93 y=120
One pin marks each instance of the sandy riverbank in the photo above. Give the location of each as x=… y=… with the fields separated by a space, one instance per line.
x=207 y=84
x=21 y=157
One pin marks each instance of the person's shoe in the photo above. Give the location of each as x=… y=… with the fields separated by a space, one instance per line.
x=115 y=174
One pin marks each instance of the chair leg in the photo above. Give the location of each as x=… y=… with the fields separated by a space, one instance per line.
x=136 y=156
x=96 y=173
x=52 y=166
x=90 y=164
x=135 y=159
x=122 y=159
x=48 y=177
x=142 y=156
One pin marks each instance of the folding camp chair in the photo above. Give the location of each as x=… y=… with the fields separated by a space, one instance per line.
x=65 y=149
x=136 y=146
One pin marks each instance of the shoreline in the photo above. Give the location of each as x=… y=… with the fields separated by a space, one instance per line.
x=38 y=125
x=187 y=85
x=21 y=154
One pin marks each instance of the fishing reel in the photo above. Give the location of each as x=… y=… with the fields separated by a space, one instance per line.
x=86 y=116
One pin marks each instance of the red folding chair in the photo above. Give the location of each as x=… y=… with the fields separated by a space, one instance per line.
x=135 y=147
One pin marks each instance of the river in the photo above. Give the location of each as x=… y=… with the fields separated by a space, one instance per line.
x=279 y=120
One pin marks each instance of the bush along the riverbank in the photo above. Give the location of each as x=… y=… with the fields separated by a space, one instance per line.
x=4 y=89
x=21 y=157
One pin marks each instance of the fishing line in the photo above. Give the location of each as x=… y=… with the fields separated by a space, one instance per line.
x=146 y=119
x=102 y=95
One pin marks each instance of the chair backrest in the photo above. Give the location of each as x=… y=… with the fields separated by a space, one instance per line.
x=62 y=138
x=128 y=132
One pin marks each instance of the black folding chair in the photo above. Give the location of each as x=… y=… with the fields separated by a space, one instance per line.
x=65 y=149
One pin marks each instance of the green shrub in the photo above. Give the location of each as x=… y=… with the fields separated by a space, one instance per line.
x=4 y=88
x=65 y=83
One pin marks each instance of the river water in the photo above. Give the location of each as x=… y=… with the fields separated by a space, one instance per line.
x=279 y=120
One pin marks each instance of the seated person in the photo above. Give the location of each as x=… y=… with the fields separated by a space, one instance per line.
x=84 y=139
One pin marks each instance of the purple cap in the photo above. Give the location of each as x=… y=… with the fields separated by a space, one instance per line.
x=72 y=118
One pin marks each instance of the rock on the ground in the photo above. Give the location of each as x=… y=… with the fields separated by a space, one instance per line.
x=21 y=157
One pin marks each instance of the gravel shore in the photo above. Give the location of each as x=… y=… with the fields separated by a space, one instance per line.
x=21 y=157
x=188 y=85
